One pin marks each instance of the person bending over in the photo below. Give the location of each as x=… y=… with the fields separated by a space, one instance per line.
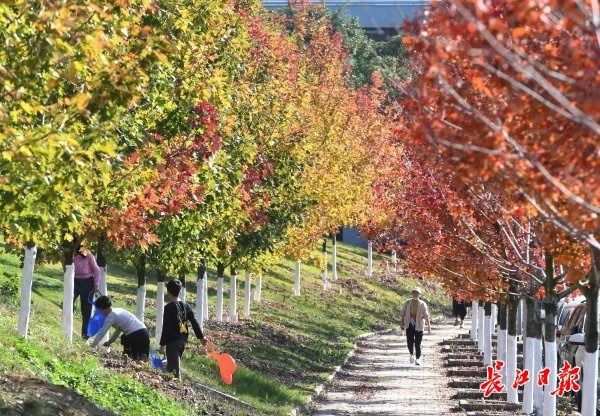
x=135 y=339
x=175 y=330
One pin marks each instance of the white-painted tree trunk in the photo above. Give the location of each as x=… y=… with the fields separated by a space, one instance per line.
x=334 y=262
x=258 y=288
x=487 y=341
x=233 y=317
x=550 y=362
x=528 y=357
x=140 y=302
x=205 y=294
x=324 y=275
x=67 y=310
x=474 y=316
x=394 y=259
x=370 y=259
x=200 y=302
x=297 y=279
x=494 y=317
x=247 y=287
x=183 y=293
x=538 y=391
x=501 y=355
x=511 y=369
x=590 y=380
x=219 y=308
x=26 y=282
x=480 y=329
x=103 y=288
x=160 y=309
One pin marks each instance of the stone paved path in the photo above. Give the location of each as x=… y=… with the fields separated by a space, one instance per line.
x=379 y=379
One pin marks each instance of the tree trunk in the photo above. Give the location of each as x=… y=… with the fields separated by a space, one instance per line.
x=333 y=258
x=140 y=269
x=532 y=342
x=247 y=287
x=102 y=264
x=258 y=288
x=370 y=259
x=511 y=350
x=550 y=352
x=324 y=275
x=233 y=317
x=101 y=261
x=481 y=328
x=297 y=279
x=474 y=319
x=494 y=317
x=501 y=356
x=220 y=274
x=182 y=294
x=68 y=289
x=487 y=335
x=26 y=282
x=590 y=357
x=394 y=260
x=200 y=317
x=160 y=303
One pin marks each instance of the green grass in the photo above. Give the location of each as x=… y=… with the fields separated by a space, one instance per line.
x=289 y=345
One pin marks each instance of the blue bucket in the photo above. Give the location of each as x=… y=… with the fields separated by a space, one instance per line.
x=96 y=323
x=156 y=360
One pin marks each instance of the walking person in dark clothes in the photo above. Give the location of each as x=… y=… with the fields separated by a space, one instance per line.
x=459 y=310
x=414 y=314
x=135 y=338
x=87 y=280
x=175 y=330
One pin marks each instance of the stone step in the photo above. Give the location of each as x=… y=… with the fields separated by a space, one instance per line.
x=474 y=357
x=478 y=394
x=458 y=341
x=465 y=383
x=463 y=363
x=488 y=406
x=467 y=372
x=468 y=336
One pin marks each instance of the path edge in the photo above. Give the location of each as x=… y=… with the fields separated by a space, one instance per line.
x=319 y=388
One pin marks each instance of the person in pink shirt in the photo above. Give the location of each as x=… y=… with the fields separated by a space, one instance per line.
x=87 y=281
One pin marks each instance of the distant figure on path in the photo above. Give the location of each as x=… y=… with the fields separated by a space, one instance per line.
x=459 y=310
x=414 y=315
x=87 y=281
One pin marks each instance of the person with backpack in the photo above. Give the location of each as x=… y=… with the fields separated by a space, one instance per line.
x=175 y=330
x=414 y=316
x=135 y=338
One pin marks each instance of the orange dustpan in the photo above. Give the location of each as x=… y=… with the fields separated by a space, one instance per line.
x=225 y=362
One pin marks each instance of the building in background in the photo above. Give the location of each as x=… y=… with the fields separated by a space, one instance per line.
x=381 y=19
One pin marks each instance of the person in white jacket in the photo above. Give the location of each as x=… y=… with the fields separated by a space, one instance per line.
x=135 y=338
x=414 y=316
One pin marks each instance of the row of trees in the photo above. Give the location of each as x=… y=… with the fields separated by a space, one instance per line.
x=178 y=135
x=498 y=185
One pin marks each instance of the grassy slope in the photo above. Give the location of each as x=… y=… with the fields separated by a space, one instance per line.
x=287 y=347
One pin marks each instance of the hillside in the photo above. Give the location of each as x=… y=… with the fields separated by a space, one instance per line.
x=287 y=347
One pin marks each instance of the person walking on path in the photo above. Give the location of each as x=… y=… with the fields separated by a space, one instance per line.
x=459 y=310
x=135 y=338
x=414 y=314
x=175 y=328
x=87 y=281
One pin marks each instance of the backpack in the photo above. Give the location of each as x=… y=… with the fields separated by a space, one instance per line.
x=181 y=317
